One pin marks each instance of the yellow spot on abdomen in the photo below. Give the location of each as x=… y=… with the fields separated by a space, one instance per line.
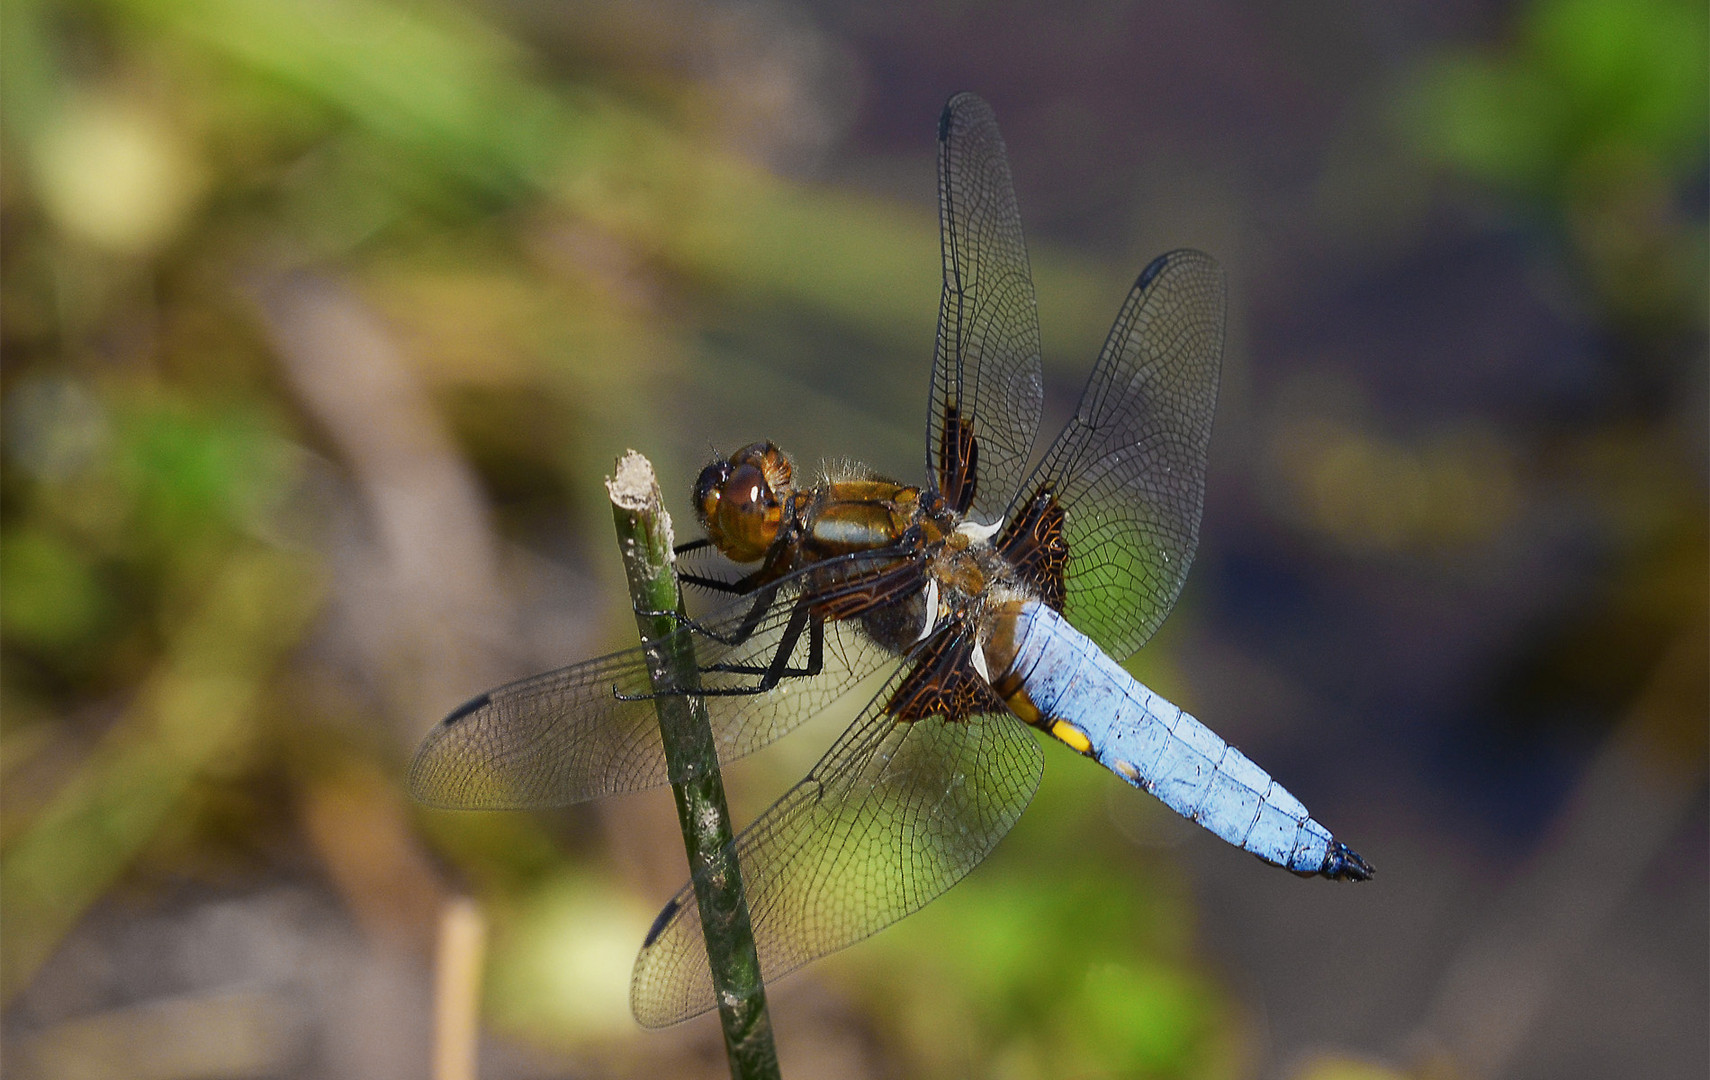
x=1073 y=736
x=1021 y=705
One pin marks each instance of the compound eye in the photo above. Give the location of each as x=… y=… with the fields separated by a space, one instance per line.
x=738 y=508
x=748 y=515
x=746 y=489
x=708 y=489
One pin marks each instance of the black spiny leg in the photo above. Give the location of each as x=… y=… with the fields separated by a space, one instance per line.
x=780 y=669
x=711 y=584
x=745 y=630
x=772 y=673
x=740 y=587
x=762 y=604
x=803 y=617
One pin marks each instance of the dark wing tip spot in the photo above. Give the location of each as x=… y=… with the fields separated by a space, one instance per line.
x=1153 y=269
x=472 y=705
x=659 y=924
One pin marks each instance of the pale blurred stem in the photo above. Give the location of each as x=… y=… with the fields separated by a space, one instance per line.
x=644 y=534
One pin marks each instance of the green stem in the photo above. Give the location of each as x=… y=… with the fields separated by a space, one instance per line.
x=644 y=532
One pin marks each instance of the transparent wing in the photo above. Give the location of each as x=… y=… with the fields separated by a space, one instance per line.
x=986 y=388
x=894 y=814
x=590 y=730
x=1128 y=472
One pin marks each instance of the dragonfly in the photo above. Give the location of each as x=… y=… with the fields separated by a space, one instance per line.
x=993 y=598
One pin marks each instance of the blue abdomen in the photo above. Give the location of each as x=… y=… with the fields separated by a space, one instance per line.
x=1086 y=699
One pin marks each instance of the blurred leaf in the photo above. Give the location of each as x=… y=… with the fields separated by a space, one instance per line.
x=435 y=81
x=196 y=708
x=116 y=173
x=1492 y=123
x=1597 y=120
x=1583 y=75
x=51 y=599
x=1632 y=70
x=190 y=469
x=1147 y=1018
x=561 y=961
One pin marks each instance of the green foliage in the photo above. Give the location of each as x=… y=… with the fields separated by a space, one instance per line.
x=1149 y=1018
x=52 y=599
x=1597 y=119
x=563 y=954
x=188 y=472
x=1585 y=79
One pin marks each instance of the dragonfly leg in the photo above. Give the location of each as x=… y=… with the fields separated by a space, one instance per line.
x=769 y=571
x=755 y=583
x=711 y=584
x=762 y=604
x=780 y=669
x=745 y=629
x=772 y=673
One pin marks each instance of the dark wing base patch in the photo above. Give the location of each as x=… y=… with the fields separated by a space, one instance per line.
x=959 y=457
x=944 y=683
x=1034 y=544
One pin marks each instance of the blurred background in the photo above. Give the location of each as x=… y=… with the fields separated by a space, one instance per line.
x=324 y=320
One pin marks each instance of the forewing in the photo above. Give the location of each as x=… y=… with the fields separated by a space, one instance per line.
x=986 y=388
x=1128 y=472
x=894 y=814
x=591 y=730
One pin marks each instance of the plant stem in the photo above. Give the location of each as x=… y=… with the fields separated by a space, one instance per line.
x=644 y=533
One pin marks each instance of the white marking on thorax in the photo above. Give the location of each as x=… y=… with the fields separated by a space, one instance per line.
x=931 y=609
x=978 y=656
x=976 y=532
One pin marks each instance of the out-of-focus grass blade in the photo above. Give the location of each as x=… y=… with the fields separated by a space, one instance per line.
x=459 y=98
x=196 y=708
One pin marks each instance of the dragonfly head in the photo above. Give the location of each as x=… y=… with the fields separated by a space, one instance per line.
x=740 y=500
